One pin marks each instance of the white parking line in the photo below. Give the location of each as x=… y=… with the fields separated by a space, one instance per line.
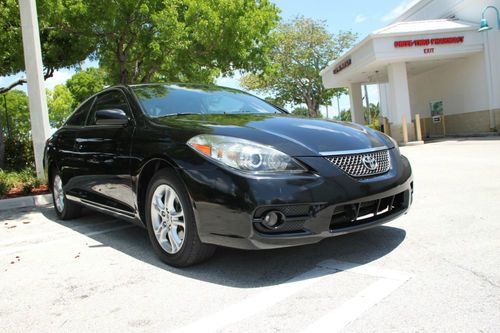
x=67 y=231
x=333 y=321
x=340 y=317
x=88 y=234
x=256 y=303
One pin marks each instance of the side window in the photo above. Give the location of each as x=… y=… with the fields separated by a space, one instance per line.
x=109 y=100
x=80 y=115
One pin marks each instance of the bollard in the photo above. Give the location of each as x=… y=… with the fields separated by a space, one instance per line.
x=424 y=123
x=444 y=125
x=417 y=127
x=387 y=129
x=405 y=130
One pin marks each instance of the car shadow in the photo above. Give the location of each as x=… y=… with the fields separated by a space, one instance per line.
x=240 y=268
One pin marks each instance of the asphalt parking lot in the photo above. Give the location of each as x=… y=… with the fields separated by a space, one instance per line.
x=435 y=269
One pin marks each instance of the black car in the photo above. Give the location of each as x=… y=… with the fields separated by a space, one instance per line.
x=201 y=165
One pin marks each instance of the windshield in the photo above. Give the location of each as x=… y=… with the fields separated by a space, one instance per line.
x=163 y=100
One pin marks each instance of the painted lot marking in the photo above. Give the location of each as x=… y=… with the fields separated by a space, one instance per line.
x=88 y=234
x=333 y=321
x=340 y=317
x=65 y=232
x=256 y=303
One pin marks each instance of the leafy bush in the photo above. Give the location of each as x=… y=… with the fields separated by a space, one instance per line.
x=3 y=188
x=24 y=180
x=5 y=183
x=18 y=154
x=37 y=182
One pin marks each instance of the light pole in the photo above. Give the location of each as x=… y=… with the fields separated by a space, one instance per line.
x=39 y=117
x=484 y=22
x=484 y=27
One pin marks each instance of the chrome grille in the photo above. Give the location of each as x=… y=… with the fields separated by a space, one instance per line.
x=354 y=165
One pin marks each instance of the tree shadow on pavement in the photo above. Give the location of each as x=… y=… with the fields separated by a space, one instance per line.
x=240 y=268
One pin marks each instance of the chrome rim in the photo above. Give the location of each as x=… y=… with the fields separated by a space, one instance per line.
x=58 y=193
x=167 y=217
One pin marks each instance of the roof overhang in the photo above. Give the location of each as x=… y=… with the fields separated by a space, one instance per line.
x=427 y=41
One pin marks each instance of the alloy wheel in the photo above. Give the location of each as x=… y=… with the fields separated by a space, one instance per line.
x=58 y=193
x=167 y=217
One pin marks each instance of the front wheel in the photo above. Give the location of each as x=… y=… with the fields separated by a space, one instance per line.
x=171 y=223
x=65 y=208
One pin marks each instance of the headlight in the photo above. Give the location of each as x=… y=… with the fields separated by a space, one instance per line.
x=243 y=154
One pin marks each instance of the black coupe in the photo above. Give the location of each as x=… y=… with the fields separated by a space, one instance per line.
x=201 y=166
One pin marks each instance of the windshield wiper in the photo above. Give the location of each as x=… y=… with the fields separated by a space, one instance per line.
x=180 y=114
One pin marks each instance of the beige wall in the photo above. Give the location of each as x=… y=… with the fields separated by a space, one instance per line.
x=460 y=84
x=460 y=124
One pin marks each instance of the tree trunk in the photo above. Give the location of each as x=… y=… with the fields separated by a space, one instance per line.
x=2 y=147
x=313 y=108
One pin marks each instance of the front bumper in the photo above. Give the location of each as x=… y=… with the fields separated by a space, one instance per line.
x=229 y=207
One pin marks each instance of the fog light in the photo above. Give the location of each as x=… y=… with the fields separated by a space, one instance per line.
x=273 y=219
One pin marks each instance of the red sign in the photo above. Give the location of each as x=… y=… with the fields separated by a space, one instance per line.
x=427 y=42
x=344 y=64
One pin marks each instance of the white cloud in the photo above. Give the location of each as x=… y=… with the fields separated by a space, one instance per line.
x=399 y=9
x=230 y=82
x=60 y=77
x=360 y=18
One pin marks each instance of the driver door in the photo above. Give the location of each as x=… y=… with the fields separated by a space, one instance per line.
x=104 y=174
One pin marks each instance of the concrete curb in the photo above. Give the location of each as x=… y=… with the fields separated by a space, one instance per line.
x=23 y=202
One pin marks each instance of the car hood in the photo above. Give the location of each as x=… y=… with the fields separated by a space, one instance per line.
x=292 y=135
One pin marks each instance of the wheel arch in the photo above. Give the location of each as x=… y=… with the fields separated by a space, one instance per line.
x=51 y=169
x=146 y=172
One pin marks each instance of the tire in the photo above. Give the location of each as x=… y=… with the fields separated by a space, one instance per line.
x=65 y=209
x=171 y=223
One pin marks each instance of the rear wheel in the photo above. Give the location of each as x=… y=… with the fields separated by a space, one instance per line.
x=171 y=223
x=65 y=208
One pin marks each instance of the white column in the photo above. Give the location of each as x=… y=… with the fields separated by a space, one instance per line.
x=491 y=56
x=356 y=100
x=383 y=92
x=399 y=95
x=39 y=117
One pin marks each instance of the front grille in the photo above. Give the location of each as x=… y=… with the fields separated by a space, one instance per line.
x=363 y=164
x=368 y=211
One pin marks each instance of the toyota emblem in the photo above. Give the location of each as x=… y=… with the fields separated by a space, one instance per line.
x=370 y=162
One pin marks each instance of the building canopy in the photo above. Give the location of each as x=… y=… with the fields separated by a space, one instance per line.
x=422 y=44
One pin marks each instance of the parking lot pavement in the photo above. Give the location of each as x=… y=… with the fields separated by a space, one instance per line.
x=435 y=269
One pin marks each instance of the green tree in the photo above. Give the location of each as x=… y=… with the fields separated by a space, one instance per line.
x=61 y=103
x=15 y=126
x=345 y=115
x=301 y=112
x=337 y=93
x=176 y=40
x=275 y=102
x=59 y=48
x=16 y=119
x=141 y=41
x=375 y=115
x=85 y=83
x=300 y=50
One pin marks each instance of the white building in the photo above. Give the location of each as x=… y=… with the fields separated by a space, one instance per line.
x=431 y=57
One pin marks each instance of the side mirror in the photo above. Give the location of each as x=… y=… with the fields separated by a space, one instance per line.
x=111 y=117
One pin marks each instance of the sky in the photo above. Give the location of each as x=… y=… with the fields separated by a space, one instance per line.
x=360 y=16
